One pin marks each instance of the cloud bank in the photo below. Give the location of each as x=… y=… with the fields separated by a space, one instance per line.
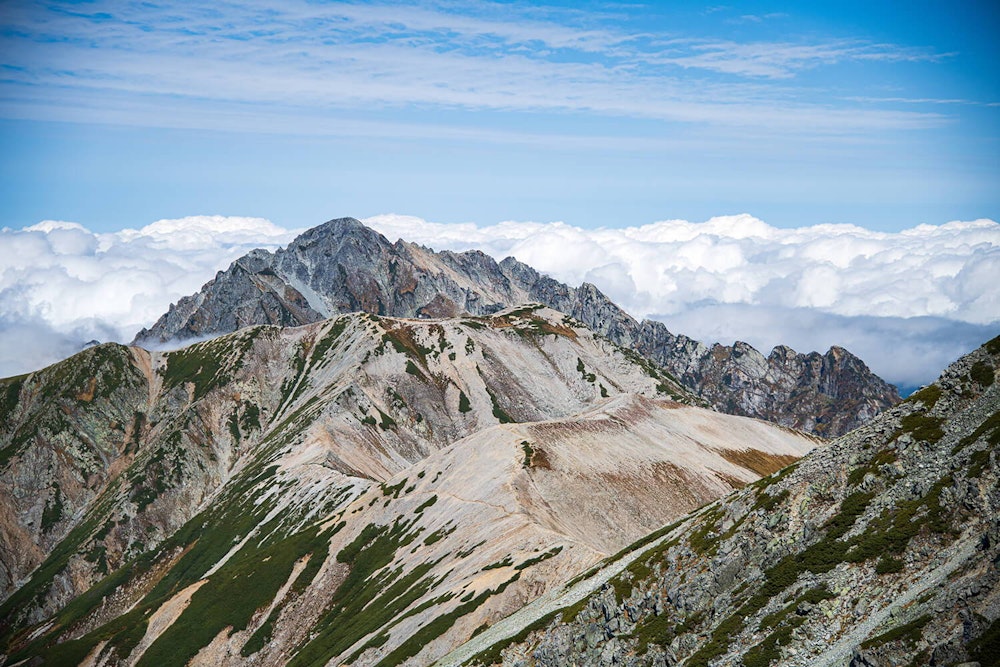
x=908 y=303
x=62 y=285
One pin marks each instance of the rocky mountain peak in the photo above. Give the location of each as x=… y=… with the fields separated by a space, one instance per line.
x=344 y=266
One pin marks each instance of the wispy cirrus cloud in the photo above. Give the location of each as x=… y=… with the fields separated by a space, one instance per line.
x=291 y=58
x=783 y=60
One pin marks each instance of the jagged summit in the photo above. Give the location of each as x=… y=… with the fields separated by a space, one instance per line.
x=343 y=266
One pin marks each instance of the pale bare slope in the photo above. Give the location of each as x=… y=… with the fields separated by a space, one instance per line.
x=531 y=505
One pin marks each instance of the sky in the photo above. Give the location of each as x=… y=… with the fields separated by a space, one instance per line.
x=793 y=173
x=117 y=113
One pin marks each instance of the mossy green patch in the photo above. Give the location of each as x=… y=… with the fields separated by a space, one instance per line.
x=982 y=372
x=922 y=427
x=929 y=396
x=908 y=632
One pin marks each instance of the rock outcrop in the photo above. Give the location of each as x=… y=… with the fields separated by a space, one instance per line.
x=879 y=549
x=343 y=266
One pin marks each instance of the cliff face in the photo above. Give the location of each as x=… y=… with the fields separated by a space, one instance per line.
x=361 y=489
x=879 y=549
x=343 y=266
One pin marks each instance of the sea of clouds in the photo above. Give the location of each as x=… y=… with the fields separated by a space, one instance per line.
x=908 y=303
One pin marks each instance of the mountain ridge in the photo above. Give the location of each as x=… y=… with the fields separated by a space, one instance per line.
x=246 y=497
x=879 y=549
x=343 y=266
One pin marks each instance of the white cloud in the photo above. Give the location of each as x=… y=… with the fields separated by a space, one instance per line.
x=942 y=271
x=907 y=303
x=62 y=285
x=152 y=63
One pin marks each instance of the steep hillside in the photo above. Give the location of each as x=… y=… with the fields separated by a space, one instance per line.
x=364 y=488
x=343 y=266
x=879 y=549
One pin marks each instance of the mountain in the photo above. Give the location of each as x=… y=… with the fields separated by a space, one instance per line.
x=881 y=548
x=362 y=489
x=343 y=266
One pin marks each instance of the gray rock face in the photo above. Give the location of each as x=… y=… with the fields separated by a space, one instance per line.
x=879 y=549
x=343 y=266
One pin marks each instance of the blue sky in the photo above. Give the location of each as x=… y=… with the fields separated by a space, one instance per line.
x=115 y=114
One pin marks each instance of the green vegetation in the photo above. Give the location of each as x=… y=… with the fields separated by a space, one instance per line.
x=250 y=421
x=506 y=562
x=499 y=412
x=978 y=462
x=990 y=428
x=883 y=457
x=52 y=513
x=888 y=565
x=386 y=422
x=571 y=612
x=10 y=392
x=493 y=654
x=891 y=531
x=231 y=597
x=929 y=396
x=424 y=505
x=985 y=649
x=329 y=340
x=463 y=402
x=464 y=553
x=394 y=489
x=982 y=372
x=528 y=453
x=908 y=632
x=366 y=603
x=922 y=427
x=538 y=559
x=774 y=477
x=767 y=502
x=200 y=364
x=818 y=558
x=438 y=626
x=437 y=536
x=993 y=346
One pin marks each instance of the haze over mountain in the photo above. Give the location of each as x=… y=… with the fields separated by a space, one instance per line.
x=344 y=266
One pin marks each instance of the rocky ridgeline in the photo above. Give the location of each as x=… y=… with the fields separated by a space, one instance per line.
x=363 y=489
x=879 y=549
x=343 y=266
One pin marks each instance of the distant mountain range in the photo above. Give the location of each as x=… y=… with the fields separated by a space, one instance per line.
x=343 y=266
